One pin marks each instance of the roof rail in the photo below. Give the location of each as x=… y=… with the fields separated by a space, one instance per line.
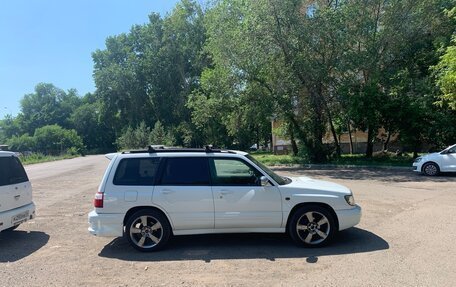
x=206 y=149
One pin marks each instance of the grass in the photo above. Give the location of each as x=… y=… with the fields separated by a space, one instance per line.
x=39 y=158
x=379 y=159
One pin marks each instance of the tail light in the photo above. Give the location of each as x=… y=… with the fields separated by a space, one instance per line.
x=98 y=200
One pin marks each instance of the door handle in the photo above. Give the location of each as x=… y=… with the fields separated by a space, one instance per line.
x=17 y=196
x=225 y=192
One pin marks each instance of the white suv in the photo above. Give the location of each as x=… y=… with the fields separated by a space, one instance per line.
x=16 y=205
x=151 y=195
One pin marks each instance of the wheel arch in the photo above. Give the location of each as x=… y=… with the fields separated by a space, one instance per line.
x=146 y=207
x=320 y=204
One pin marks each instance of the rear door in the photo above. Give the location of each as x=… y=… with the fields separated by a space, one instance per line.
x=132 y=184
x=184 y=192
x=15 y=188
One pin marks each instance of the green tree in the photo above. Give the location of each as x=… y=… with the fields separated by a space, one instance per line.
x=158 y=135
x=53 y=139
x=48 y=105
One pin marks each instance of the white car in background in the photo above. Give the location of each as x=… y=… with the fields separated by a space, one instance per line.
x=16 y=205
x=434 y=163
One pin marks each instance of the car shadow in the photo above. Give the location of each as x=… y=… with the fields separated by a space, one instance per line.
x=246 y=246
x=379 y=174
x=18 y=244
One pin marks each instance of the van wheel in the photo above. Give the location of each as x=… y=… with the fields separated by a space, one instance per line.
x=148 y=230
x=312 y=226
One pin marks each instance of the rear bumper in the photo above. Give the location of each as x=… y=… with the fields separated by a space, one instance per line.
x=106 y=224
x=6 y=217
x=349 y=217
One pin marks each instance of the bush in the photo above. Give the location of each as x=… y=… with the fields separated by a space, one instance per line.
x=22 y=143
x=53 y=139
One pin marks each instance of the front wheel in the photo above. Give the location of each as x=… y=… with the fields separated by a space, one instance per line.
x=431 y=169
x=312 y=226
x=148 y=230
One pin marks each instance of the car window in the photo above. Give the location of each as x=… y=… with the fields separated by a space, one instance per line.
x=186 y=171
x=234 y=172
x=136 y=171
x=17 y=172
x=11 y=171
x=4 y=171
x=452 y=150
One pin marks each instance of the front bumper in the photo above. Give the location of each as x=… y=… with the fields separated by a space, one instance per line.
x=416 y=166
x=105 y=224
x=349 y=217
x=6 y=216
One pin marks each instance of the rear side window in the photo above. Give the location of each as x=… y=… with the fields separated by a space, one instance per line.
x=136 y=171
x=11 y=171
x=186 y=171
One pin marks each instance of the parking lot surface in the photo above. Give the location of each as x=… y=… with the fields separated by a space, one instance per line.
x=406 y=237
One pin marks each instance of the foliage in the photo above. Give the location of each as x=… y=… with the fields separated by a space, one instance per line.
x=142 y=136
x=22 y=143
x=218 y=76
x=39 y=157
x=55 y=140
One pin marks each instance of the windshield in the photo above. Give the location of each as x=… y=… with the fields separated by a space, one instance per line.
x=279 y=179
x=451 y=147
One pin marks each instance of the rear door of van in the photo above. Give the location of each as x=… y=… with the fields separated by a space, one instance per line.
x=15 y=188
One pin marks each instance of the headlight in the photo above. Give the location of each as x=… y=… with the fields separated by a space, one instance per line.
x=418 y=159
x=350 y=199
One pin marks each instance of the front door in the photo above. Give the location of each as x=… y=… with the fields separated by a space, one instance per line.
x=239 y=199
x=449 y=160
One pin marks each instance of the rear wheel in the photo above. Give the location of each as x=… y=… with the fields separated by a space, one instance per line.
x=148 y=230
x=431 y=169
x=312 y=226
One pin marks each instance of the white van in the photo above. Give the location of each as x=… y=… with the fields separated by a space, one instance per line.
x=16 y=205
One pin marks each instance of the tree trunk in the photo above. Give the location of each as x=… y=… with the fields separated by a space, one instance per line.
x=386 y=142
x=331 y=125
x=370 y=142
x=258 y=138
x=294 y=146
x=350 y=137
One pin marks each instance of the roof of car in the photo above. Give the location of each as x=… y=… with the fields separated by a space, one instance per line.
x=6 y=153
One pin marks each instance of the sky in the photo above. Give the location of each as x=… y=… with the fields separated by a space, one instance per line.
x=52 y=41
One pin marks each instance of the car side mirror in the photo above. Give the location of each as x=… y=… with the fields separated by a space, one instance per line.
x=264 y=180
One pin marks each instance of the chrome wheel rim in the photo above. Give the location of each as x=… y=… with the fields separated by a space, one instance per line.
x=313 y=227
x=430 y=169
x=146 y=231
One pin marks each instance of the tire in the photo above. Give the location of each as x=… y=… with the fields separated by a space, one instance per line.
x=148 y=230
x=431 y=169
x=312 y=226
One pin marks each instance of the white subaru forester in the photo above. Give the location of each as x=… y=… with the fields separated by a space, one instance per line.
x=151 y=195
